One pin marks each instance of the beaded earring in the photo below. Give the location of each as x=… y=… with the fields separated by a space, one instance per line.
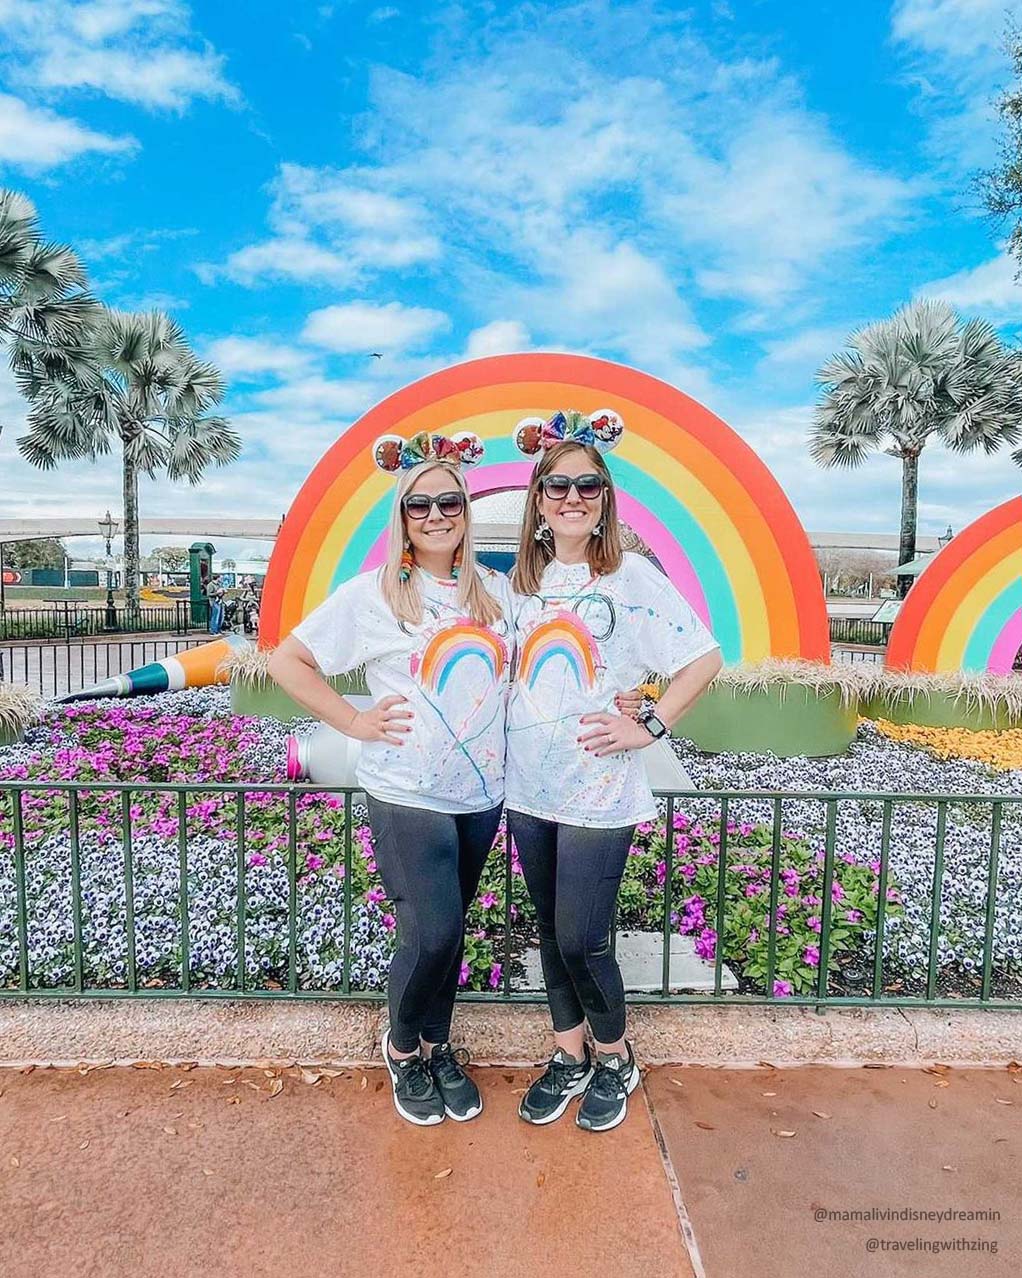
x=456 y=565
x=404 y=572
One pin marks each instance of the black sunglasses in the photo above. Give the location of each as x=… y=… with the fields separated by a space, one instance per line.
x=557 y=487
x=418 y=505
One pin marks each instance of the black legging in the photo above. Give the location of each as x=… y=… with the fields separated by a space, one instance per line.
x=430 y=863
x=573 y=874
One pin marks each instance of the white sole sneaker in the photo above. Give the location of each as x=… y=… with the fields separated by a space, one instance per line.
x=464 y=1118
x=432 y=1119
x=630 y=1086
x=577 y=1090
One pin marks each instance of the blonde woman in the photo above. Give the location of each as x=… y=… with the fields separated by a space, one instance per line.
x=590 y=619
x=434 y=632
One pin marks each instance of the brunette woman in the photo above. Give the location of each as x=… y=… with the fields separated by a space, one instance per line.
x=590 y=620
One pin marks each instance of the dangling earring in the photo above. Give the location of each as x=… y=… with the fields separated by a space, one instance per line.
x=456 y=565
x=598 y=530
x=404 y=572
x=543 y=532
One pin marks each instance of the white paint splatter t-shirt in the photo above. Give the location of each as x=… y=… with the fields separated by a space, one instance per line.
x=454 y=674
x=580 y=640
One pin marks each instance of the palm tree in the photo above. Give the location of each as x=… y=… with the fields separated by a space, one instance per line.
x=139 y=387
x=921 y=375
x=46 y=310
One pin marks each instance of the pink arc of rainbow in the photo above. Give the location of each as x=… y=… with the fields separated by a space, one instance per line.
x=1009 y=641
x=506 y=476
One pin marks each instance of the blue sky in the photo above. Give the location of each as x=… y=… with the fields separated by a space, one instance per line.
x=716 y=192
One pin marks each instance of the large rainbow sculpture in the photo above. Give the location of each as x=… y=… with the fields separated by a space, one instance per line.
x=965 y=610
x=709 y=509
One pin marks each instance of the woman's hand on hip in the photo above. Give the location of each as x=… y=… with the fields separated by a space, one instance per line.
x=628 y=703
x=386 y=721
x=612 y=734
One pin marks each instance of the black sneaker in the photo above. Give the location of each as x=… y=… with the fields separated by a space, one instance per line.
x=563 y=1078
x=415 y=1095
x=605 y=1103
x=460 y=1095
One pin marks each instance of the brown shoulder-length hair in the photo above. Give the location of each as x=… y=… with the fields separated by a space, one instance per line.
x=603 y=552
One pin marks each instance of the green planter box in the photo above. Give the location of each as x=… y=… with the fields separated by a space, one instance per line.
x=264 y=699
x=782 y=719
x=939 y=710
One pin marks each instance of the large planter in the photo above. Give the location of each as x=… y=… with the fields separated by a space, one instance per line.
x=939 y=710
x=785 y=719
x=11 y=735
x=263 y=698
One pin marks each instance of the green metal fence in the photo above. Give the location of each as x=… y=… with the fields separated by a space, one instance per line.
x=18 y=795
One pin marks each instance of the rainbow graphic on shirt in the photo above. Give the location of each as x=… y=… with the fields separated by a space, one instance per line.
x=563 y=635
x=462 y=641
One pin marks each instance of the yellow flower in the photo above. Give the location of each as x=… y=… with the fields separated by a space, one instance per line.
x=1001 y=750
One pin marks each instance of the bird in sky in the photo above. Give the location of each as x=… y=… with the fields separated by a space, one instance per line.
x=376 y=355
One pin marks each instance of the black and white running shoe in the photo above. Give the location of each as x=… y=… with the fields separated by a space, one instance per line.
x=415 y=1094
x=605 y=1103
x=460 y=1095
x=563 y=1078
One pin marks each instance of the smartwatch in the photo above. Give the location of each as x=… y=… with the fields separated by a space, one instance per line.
x=654 y=726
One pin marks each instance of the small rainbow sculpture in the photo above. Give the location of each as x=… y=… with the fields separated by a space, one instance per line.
x=561 y=637
x=965 y=610
x=194 y=668
x=464 y=641
x=694 y=491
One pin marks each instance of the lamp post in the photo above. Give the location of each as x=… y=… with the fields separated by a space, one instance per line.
x=108 y=527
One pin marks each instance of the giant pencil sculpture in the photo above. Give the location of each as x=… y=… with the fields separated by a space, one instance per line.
x=192 y=668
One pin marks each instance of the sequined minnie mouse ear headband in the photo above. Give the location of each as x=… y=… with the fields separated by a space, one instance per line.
x=602 y=429
x=392 y=453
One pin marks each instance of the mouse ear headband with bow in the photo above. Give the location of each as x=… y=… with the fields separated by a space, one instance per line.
x=392 y=453
x=602 y=429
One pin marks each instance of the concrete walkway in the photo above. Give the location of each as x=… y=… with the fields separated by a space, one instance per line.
x=261 y=1171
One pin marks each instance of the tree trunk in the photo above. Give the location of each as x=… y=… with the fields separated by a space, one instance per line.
x=909 y=510
x=131 y=538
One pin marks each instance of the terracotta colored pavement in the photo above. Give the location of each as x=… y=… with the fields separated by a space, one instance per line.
x=120 y=1173
x=218 y=1172
x=857 y=1140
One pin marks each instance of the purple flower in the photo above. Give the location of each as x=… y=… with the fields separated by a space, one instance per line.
x=782 y=989
x=811 y=955
x=853 y=916
x=706 y=943
x=488 y=900
x=495 y=973
x=389 y=922
x=376 y=895
x=464 y=974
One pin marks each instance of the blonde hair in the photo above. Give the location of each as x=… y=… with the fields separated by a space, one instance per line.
x=404 y=598
x=603 y=552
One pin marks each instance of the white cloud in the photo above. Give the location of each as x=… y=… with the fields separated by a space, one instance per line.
x=990 y=287
x=770 y=213
x=138 y=51
x=806 y=349
x=336 y=225
x=956 y=62
x=360 y=327
x=245 y=358
x=318 y=396
x=501 y=337
x=283 y=258
x=34 y=138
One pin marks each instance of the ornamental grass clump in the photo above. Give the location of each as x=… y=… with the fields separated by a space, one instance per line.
x=20 y=707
